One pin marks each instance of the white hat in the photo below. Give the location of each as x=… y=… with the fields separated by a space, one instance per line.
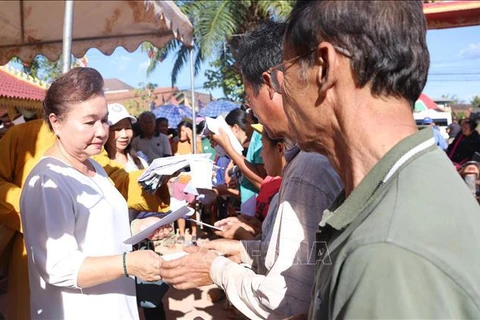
x=117 y=112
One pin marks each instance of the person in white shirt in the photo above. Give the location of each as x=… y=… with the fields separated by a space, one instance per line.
x=279 y=283
x=152 y=145
x=75 y=220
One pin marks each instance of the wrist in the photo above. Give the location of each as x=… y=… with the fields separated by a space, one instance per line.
x=124 y=265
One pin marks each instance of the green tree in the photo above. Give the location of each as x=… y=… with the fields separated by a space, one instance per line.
x=453 y=97
x=218 y=27
x=43 y=69
x=475 y=102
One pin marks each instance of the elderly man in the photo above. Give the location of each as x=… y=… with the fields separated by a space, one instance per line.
x=399 y=246
x=284 y=262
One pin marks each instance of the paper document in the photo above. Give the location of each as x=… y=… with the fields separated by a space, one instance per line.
x=182 y=212
x=214 y=126
x=174 y=256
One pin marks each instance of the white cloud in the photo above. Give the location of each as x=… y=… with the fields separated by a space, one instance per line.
x=471 y=52
x=144 y=65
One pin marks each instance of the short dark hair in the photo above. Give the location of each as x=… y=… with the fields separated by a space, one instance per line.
x=77 y=85
x=160 y=120
x=259 y=50
x=387 y=41
x=472 y=123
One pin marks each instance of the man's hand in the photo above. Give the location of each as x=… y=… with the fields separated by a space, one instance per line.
x=191 y=271
x=227 y=247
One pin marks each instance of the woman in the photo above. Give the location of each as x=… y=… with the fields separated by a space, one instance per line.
x=250 y=165
x=466 y=143
x=120 y=135
x=184 y=145
x=74 y=219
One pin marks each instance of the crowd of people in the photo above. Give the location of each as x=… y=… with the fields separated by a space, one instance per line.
x=346 y=222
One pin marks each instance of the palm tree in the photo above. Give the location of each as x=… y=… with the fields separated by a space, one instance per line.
x=218 y=27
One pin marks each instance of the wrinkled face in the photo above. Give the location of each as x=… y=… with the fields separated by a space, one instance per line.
x=302 y=103
x=147 y=124
x=273 y=119
x=84 y=129
x=162 y=127
x=120 y=135
x=271 y=156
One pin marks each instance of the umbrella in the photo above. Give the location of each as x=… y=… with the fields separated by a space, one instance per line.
x=28 y=28
x=173 y=113
x=424 y=103
x=217 y=107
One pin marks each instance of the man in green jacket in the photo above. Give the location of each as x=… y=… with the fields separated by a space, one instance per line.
x=403 y=240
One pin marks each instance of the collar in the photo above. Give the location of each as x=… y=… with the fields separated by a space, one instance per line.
x=291 y=153
x=343 y=211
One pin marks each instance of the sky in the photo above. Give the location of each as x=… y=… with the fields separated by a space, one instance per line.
x=454 y=69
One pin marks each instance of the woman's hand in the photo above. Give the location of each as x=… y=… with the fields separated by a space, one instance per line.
x=222 y=140
x=144 y=264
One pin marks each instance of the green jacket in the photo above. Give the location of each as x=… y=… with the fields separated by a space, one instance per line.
x=404 y=245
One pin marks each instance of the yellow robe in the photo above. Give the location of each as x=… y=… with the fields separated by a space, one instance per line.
x=20 y=150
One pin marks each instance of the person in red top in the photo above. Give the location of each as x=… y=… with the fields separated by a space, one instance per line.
x=244 y=227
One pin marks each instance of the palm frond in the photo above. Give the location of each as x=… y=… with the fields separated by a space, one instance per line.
x=218 y=22
x=276 y=10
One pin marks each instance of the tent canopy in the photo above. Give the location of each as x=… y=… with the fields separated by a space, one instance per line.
x=28 y=28
x=452 y=14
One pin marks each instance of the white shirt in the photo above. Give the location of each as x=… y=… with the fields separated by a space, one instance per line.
x=156 y=147
x=283 y=283
x=66 y=217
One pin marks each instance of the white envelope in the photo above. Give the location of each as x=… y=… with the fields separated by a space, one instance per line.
x=181 y=212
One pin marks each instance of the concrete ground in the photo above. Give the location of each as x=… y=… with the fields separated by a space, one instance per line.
x=202 y=303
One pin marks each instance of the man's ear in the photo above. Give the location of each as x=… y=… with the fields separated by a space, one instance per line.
x=55 y=122
x=269 y=82
x=326 y=58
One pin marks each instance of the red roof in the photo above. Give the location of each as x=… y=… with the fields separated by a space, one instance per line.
x=429 y=103
x=17 y=88
x=451 y=14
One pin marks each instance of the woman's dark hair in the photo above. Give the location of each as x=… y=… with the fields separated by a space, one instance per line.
x=200 y=126
x=77 y=85
x=185 y=123
x=273 y=142
x=237 y=117
x=386 y=41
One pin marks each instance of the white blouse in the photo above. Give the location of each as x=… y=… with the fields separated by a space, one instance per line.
x=66 y=217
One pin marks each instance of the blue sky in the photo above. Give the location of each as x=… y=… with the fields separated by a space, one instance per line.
x=454 y=69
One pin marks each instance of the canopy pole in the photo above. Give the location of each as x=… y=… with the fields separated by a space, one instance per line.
x=67 y=36
x=194 y=124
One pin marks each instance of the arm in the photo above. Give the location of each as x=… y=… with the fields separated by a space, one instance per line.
x=50 y=234
x=9 y=191
x=383 y=281
x=252 y=171
x=167 y=147
x=126 y=183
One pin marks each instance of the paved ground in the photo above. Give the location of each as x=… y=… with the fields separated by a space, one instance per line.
x=179 y=304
